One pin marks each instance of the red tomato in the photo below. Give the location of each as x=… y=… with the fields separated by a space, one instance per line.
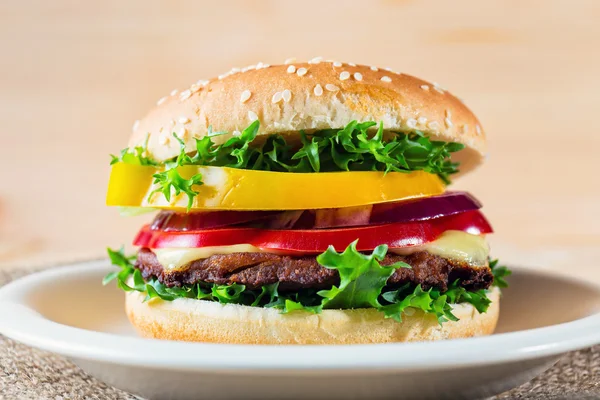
x=314 y=241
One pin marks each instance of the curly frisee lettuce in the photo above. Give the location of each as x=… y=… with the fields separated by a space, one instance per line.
x=362 y=285
x=353 y=148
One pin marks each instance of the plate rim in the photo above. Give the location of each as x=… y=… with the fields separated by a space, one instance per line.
x=25 y=325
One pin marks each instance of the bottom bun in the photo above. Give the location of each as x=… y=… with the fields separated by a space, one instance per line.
x=206 y=321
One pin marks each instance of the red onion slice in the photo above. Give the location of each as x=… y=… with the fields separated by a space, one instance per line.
x=170 y=221
x=386 y=213
x=449 y=203
x=423 y=209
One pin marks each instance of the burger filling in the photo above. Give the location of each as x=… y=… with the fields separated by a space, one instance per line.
x=346 y=218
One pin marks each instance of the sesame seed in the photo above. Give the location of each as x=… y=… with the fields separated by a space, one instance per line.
x=161 y=100
x=136 y=124
x=259 y=65
x=374 y=68
x=163 y=140
x=478 y=129
x=287 y=95
x=434 y=125
x=173 y=92
x=289 y=60
x=277 y=97
x=352 y=64
x=252 y=116
x=144 y=153
x=424 y=87
x=448 y=114
x=185 y=95
x=202 y=82
x=358 y=76
x=301 y=71
x=181 y=132
x=249 y=67
x=235 y=70
x=245 y=96
x=422 y=120
x=337 y=64
x=236 y=133
x=386 y=79
x=195 y=88
x=291 y=69
x=448 y=122
x=265 y=66
x=223 y=76
x=344 y=75
x=316 y=60
x=411 y=123
x=409 y=311
x=318 y=90
x=388 y=69
x=184 y=120
x=438 y=88
x=331 y=88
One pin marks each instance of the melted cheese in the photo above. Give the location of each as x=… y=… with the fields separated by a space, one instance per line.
x=455 y=245
x=175 y=258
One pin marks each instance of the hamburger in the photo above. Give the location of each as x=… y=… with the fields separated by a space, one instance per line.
x=306 y=203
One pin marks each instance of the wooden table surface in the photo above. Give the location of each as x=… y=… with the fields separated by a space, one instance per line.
x=75 y=75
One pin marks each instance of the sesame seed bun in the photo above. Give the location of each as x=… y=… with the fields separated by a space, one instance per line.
x=308 y=96
x=205 y=321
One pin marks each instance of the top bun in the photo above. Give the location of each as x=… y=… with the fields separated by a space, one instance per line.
x=308 y=96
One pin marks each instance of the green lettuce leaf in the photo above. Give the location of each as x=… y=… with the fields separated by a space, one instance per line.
x=171 y=181
x=499 y=272
x=361 y=277
x=400 y=300
x=136 y=155
x=352 y=148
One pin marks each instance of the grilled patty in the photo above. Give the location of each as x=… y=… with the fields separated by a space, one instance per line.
x=258 y=269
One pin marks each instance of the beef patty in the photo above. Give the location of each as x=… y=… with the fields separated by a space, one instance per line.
x=258 y=269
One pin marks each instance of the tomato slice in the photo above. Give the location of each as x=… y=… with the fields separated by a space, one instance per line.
x=396 y=235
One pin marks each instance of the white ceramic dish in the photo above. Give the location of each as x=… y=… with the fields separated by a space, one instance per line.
x=67 y=311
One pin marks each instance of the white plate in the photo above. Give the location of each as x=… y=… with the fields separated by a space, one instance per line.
x=67 y=311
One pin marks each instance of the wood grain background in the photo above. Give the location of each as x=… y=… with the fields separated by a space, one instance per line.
x=75 y=75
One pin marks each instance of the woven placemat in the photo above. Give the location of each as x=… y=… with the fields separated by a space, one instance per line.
x=27 y=373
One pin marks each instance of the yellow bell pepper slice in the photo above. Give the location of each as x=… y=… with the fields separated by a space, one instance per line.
x=239 y=189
